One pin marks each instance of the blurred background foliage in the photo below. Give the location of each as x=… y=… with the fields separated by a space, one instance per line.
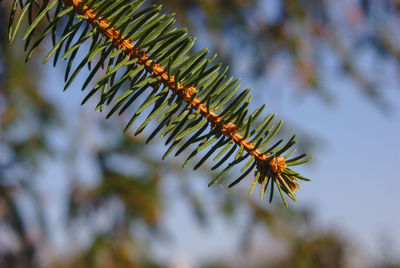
x=113 y=187
x=298 y=33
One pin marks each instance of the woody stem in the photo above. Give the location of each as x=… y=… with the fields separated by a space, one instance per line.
x=228 y=129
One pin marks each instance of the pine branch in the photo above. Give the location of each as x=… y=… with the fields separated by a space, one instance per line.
x=154 y=55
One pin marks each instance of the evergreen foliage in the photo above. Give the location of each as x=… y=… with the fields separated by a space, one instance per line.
x=149 y=61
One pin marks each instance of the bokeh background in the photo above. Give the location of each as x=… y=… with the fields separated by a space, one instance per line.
x=76 y=192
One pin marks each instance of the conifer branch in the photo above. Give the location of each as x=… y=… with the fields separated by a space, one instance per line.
x=270 y=165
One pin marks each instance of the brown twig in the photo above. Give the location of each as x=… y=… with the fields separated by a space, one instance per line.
x=276 y=165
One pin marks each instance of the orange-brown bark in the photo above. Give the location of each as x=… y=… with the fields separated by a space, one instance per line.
x=276 y=165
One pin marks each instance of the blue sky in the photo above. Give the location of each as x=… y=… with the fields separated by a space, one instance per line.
x=356 y=176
